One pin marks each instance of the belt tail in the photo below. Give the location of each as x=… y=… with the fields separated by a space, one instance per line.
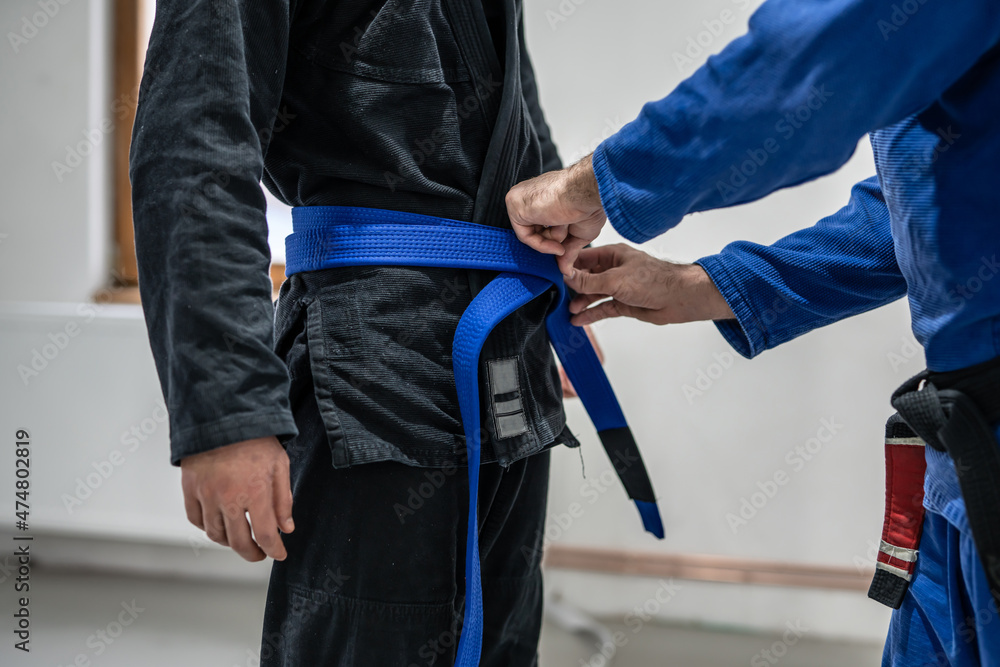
x=904 y=513
x=501 y=296
x=584 y=370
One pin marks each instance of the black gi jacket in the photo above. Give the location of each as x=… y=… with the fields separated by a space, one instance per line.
x=398 y=104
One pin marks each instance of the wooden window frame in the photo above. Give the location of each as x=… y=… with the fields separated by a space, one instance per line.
x=127 y=60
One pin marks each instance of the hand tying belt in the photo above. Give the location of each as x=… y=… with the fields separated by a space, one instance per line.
x=333 y=236
x=953 y=413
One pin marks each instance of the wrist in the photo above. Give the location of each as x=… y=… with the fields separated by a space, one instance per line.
x=711 y=304
x=582 y=186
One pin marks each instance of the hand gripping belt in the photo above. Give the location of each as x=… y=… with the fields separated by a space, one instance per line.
x=952 y=412
x=334 y=236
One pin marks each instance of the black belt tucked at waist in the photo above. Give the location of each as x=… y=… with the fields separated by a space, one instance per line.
x=952 y=412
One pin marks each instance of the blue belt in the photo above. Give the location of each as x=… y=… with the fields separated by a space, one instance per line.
x=326 y=237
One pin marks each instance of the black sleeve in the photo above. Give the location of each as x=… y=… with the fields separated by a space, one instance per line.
x=550 y=154
x=208 y=97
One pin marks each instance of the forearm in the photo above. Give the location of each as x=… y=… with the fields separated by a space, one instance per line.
x=207 y=94
x=842 y=266
x=783 y=104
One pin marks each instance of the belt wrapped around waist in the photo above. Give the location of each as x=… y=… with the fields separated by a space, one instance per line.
x=952 y=412
x=334 y=236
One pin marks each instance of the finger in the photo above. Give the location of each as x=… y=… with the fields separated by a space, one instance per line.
x=240 y=539
x=215 y=526
x=596 y=259
x=574 y=244
x=566 y=262
x=535 y=239
x=605 y=310
x=557 y=234
x=587 y=282
x=265 y=530
x=601 y=258
x=582 y=301
x=283 y=497
x=522 y=229
x=193 y=509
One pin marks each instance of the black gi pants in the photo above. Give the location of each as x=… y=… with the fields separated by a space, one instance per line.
x=375 y=573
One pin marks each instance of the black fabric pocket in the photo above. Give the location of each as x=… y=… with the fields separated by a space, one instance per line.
x=333 y=334
x=379 y=344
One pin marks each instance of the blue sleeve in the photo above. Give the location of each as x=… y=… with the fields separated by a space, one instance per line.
x=843 y=265
x=786 y=103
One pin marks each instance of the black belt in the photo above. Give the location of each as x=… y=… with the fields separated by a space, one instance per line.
x=952 y=413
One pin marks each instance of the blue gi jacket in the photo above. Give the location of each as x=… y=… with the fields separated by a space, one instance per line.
x=787 y=103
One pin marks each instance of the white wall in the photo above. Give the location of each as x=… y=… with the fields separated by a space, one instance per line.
x=55 y=78
x=80 y=379
x=597 y=63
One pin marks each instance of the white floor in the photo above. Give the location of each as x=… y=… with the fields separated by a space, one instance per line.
x=196 y=624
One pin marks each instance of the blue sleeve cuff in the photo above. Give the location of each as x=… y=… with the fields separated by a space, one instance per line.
x=745 y=334
x=611 y=202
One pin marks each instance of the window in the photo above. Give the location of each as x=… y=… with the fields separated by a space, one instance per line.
x=133 y=22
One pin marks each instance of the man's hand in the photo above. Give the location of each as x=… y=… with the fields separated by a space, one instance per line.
x=222 y=484
x=642 y=287
x=558 y=213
